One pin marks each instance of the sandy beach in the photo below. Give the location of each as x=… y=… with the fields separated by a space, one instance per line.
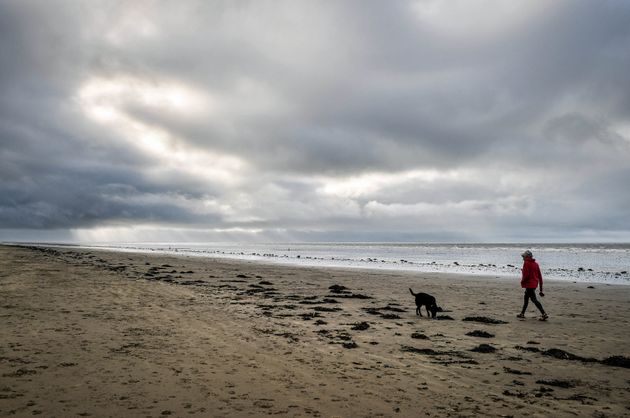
x=112 y=334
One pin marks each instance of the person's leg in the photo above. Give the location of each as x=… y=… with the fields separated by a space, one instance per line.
x=526 y=297
x=536 y=302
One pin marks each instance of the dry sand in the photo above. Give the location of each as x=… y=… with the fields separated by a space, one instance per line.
x=96 y=333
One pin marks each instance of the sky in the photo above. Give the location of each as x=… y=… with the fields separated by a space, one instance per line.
x=424 y=121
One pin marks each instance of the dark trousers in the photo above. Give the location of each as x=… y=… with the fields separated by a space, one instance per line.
x=531 y=294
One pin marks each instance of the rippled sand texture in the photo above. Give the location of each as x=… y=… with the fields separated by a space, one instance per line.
x=95 y=333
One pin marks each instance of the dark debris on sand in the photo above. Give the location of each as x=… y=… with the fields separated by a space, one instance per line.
x=336 y=288
x=326 y=309
x=360 y=326
x=349 y=296
x=484 y=348
x=339 y=291
x=425 y=351
x=336 y=336
x=585 y=400
x=480 y=334
x=391 y=308
x=317 y=302
x=454 y=357
x=617 y=361
x=565 y=384
x=564 y=355
x=515 y=394
x=514 y=371
x=484 y=320
x=377 y=311
x=530 y=349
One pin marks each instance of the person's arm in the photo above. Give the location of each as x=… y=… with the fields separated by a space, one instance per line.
x=524 y=273
x=540 y=281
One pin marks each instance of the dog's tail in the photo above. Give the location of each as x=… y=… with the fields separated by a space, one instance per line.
x=412 y=292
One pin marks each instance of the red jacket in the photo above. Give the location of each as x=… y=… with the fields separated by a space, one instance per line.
x=531 y=274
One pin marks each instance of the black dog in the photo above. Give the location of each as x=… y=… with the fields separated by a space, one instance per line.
x=429 y=303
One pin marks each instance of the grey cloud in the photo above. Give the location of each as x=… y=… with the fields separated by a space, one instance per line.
x=64 y=201
x=304 y=90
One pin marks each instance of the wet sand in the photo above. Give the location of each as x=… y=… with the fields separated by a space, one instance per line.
x=106 y=334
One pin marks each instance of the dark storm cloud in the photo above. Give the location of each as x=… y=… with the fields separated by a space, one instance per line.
x=321 y=119
x=404 y=90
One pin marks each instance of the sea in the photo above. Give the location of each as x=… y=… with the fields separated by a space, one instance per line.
x=588 y=263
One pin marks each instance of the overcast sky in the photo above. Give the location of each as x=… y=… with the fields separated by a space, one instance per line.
x=449 y=121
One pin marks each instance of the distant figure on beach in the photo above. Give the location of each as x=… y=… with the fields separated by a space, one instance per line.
x=531 y=279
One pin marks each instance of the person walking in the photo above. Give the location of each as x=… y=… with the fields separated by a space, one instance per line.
x=530 y=280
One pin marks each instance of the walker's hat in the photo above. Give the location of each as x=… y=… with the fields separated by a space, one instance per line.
x=527 y=253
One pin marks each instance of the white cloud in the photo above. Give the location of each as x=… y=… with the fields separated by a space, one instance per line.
x=107 y=102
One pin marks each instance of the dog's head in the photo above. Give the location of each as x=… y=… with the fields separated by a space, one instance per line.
x=434 y=310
